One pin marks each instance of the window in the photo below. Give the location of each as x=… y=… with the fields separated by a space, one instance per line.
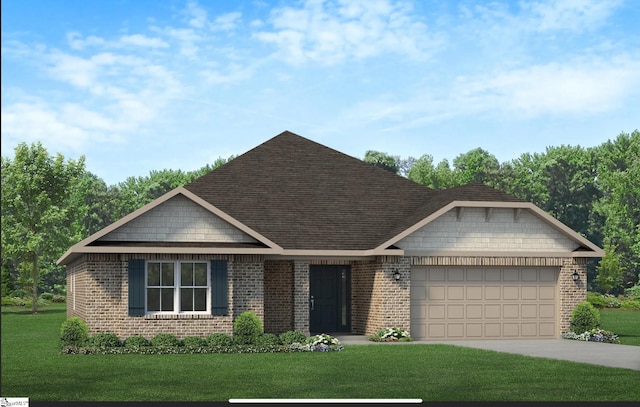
x=177 y=287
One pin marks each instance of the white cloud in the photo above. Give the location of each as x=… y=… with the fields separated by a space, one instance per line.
x=143 y=41
x=330 y=32
x=571 y=15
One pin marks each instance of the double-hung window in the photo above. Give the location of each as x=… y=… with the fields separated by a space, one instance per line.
x=178 y=287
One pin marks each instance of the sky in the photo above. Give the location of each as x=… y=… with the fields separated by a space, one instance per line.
x=137 y=86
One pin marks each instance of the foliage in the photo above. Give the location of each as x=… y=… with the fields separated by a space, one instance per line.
x=136 y=342
x=219 y=339
x=383 y=160
x=593 y=335
x=609 y=270
x=391 y=334
x=193 y=342
x=584 y=317
x=165 y=340
x=603 y=300
x=105 y=340
x=289 y=337
x=324 y=343
x=8 y=286
x=268 y=339
x=37 y=222
x=630 y=304
x=247 y=328
x=633 y=292
x=74 y=332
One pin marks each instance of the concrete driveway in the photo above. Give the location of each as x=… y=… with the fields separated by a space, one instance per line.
x=604 y=354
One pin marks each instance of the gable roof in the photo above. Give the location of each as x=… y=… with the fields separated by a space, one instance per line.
x=296 y=196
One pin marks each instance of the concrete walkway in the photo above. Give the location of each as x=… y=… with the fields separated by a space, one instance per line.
x=603 y=354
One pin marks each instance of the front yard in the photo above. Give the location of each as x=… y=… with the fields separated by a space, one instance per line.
x=33 y=367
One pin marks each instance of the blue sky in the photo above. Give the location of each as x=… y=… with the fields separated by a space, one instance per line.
x=142 y=85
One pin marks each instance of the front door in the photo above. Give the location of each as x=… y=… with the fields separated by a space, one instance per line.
x=329 y=299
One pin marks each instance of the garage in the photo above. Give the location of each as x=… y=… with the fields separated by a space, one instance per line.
x=449 y=303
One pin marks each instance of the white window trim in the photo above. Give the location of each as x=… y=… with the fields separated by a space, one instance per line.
x=176 y=288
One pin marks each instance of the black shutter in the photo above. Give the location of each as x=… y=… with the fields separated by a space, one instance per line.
x=219 y=284
x=136 y=287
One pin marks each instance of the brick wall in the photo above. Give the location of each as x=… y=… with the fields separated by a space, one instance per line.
x=278 y=296
x=571 y=292
x=101 y=297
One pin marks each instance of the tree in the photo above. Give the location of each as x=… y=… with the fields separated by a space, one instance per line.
x=618 y=175
x=439 y=177
x=383 y=160
x=476 y=165
x=609 y=270
x=36 y=224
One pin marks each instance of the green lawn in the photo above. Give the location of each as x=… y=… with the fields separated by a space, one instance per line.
x=624 y=323
x=33 y=367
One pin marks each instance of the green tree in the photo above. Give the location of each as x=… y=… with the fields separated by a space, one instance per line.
x=437 y=177
x=609 y=270
x=476 y=165
x=383 y=160
x=618 y=180
x=36 y=226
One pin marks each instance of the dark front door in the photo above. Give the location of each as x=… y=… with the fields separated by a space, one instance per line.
x=329 y=299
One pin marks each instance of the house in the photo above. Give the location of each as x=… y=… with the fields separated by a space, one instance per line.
x=313 y=240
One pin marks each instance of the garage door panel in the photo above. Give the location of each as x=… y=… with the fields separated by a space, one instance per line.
x=477 y=302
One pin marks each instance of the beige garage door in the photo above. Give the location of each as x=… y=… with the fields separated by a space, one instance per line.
x=483 y=303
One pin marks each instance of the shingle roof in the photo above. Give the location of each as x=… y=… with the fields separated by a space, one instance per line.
x=303 y=195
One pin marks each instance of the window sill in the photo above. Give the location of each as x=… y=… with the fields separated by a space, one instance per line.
x=179 y=316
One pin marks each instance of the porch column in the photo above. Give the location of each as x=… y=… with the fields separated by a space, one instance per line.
x=301 y=297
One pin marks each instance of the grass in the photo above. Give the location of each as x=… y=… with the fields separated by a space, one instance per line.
x=624 y=323
x=33 y=367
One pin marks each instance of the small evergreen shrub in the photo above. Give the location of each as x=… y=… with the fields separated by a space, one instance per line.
x=193 y=342
x=74 y=332
x=163 y=340
x=290 y=337
x=268 y=340
x=247 y=328
x=584 y=317
x=135 y=342
x=596 y=299
x=105 y=340
x=219 y=339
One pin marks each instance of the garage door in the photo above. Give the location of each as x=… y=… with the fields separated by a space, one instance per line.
x=483 y=303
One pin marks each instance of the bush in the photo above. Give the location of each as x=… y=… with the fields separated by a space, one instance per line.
x=596 y=299
x=593 y=335
x=633 y=292
x=391 y=334
x=57 y=298
x=247 y=328
x=268 y=340
x=74 y=332
x=193 y=342
x=584 y=317
x=631 y=304
x=165 y=340
x=135 y=342
x=46 y=296
x=289 y=337
x=105 y=340
x=219 y=339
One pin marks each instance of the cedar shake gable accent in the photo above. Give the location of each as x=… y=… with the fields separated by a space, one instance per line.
x=305 y=196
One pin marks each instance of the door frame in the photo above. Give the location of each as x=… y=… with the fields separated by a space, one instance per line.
x=342 y=275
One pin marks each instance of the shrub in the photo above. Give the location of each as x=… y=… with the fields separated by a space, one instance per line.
x=268 y=340
x=324 y=343
x=105 y=340
x=392 y=334
x=57 y=298
x=219 y=339
x=163 y=340
x=46 y=296
x=633 y=292
x=247 y=328
x=135 y=342
x=193 y=342
x=593 y=335
x=630 y=304
x=74 y=332
x=584 y=317
x=290 y=337
x=596 y=299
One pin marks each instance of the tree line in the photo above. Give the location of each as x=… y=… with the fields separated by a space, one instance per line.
x=49 y=203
